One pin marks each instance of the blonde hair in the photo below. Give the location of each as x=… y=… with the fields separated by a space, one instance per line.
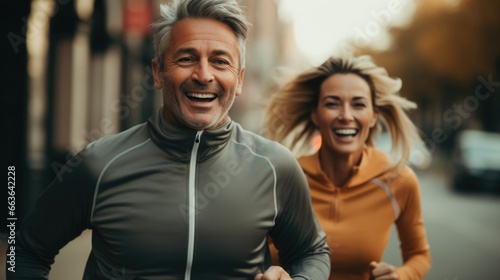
x=288 y=115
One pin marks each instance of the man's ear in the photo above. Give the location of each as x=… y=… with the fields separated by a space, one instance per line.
x=239 y=88
x=157 y=74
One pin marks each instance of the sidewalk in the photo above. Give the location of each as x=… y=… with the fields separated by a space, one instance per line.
x=70 y=262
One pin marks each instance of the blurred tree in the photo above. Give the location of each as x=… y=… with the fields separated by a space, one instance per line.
x=449 y=60
x=464 y=43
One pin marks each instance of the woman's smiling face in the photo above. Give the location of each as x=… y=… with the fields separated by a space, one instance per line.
x=344 y=113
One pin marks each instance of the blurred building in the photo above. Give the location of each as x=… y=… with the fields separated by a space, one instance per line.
x=89 y=75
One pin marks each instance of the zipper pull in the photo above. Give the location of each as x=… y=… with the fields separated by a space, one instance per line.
x=198 y=136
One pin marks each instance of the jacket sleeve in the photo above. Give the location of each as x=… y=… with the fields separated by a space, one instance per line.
x=297 y=234
x=411 y=230
x=59 y=215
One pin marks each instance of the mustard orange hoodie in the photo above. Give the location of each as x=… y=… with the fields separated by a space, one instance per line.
x=358 y=217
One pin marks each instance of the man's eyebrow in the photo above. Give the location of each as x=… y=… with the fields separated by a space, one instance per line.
x=180 y=51
x=193 y=51
x=223 y=53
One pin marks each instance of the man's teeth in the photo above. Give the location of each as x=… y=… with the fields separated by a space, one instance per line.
x=346 y=131
x=201 y=95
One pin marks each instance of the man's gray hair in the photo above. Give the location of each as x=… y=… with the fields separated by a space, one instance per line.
x=225 y=11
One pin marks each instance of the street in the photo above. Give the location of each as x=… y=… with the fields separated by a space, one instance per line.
x=463 y=232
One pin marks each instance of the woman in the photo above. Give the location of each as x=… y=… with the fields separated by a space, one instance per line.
x=357 y=191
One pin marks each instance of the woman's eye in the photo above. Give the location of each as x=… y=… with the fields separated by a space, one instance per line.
x=331 y=104
x=360 y=105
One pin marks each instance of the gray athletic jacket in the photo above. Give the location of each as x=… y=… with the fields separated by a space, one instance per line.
x=170 y=203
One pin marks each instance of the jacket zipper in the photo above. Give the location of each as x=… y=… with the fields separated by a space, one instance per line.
x=192 y=205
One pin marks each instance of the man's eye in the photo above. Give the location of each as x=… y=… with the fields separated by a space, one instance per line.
x=220 y=62
x=362 y=105
x=185 y=59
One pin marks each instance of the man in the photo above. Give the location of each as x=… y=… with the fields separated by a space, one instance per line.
x=189 y=194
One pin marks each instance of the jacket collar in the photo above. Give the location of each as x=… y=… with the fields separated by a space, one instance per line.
x=373 y=164
x=178 y=142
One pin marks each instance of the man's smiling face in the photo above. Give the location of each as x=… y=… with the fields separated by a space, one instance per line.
x=200 y=79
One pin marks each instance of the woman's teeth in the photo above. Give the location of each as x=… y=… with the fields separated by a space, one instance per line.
x=346 y=132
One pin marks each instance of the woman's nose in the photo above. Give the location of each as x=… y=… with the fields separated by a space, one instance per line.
x=346 y=113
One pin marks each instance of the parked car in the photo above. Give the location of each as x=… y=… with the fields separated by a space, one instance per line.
x=477 y=161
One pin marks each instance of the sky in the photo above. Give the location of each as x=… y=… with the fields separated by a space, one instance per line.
x=322 y=27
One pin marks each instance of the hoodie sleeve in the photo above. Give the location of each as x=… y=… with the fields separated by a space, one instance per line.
x=59 y=215
x=410 y=226
x=297 y=234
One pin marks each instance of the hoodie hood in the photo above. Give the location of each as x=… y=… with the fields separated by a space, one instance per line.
x=373 y=164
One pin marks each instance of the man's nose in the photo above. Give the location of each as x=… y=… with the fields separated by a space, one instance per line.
x=203 y=73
